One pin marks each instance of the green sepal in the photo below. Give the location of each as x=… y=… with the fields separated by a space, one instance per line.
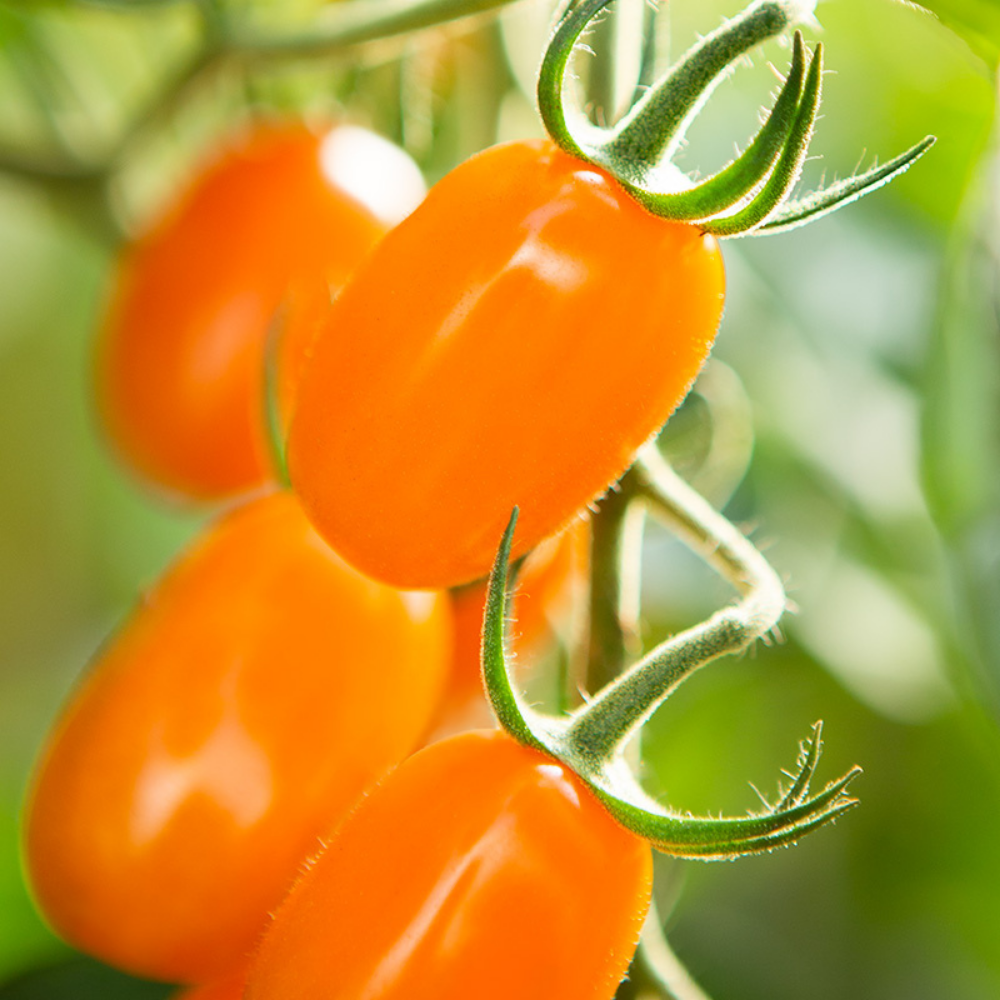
x=552 y=75
x=508 y=707
x=708 y=838
x=273 y=421
x=637 y=151
x=720 y=838
x=724 y=189
x=828 y=199
x=789 y=166
x=653 y=129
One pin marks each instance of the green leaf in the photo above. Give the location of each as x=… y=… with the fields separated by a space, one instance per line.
x=961 y=429
x=977 y=21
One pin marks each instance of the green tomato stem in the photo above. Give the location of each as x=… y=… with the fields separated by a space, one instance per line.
x=656 y=970
x=598 y=730
x=590 y=740
x=615 y=560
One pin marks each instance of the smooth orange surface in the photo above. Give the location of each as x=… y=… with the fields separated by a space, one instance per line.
x=240 y=711
x=514 y=341
x=180 y=361
x=479 y=868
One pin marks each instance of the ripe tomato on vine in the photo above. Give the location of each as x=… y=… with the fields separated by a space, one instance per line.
x=281 y=211
x=259 y=688
x=497 y=362
x=539 y=317
x=478 y=868
x=513 y=343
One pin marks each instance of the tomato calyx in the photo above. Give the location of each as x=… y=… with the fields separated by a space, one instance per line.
x=751 y=194
x=273 y=421
x=590 y=739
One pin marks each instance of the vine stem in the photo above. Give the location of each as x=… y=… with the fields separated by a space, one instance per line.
x=348 y=24
x=615 y=559
x=606 y=722
x=355 y=23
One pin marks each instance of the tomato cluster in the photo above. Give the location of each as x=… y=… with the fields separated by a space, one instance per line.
x=228 y=801
x=264 y=684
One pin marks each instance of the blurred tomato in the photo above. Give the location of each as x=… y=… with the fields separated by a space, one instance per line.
x=239 y=712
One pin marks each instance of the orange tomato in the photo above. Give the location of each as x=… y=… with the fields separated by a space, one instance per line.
x=180 y=361
x=479 y=868
x=244 y=706
x=514 y=341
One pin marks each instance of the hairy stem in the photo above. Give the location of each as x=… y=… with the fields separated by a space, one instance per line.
x=598 y=730
x=615 y=559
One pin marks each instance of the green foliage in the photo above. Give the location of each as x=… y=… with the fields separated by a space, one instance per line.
x=977 y=21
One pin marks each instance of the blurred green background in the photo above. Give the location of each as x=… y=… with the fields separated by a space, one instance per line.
x=865 y=349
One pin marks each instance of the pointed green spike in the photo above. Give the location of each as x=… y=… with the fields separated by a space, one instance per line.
x=727 y=837
x=766 y=843
x=503 y=698
x=789 y=167
x=736 y=181
x=808 y=759
x=819 y=203
x=517 y=718
x=272 y=408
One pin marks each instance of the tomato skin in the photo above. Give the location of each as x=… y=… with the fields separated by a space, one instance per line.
x=479 y=868
x=240 y=711
x=180 y=359
x=514 y=341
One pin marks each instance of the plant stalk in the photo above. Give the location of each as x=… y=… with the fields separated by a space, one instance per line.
x=598 y=730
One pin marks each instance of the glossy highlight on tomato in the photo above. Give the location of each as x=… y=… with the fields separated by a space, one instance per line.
x=513 y=342
x=181 y=355
x=478 y=868
x=259 y=688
